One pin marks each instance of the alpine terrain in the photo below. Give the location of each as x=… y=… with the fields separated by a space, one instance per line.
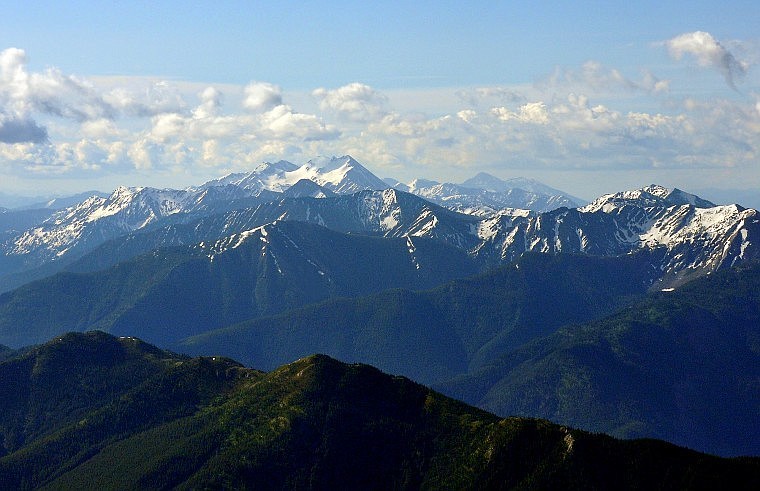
x=634 y=314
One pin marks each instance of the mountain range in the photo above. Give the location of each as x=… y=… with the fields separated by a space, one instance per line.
x=52 y=239
x=485 y=194
x=95 y=411
x=609 y=315
x=699 y=237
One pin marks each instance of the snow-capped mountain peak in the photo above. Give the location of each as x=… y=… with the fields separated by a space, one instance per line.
x=485 y=195
x=342 y=175
x=652 y=195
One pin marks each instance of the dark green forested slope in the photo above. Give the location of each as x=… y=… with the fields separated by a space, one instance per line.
x=116 y=413
x=682 y=366
x=434 y=335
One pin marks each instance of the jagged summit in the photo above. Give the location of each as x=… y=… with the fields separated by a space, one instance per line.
x=342 y=175
x=280 y=165
x=648 y=196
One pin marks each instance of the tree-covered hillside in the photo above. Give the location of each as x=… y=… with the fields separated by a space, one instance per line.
x=92 y=411
x=681 y=365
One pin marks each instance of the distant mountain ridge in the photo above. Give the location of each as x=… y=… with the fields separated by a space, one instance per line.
x=485 y=194
x=70 y=233
x=286 y=261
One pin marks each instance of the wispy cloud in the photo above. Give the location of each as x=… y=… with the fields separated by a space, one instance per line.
x=592 y=75
x=708 y=53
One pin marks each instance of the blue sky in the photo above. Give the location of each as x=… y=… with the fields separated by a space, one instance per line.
x=589 y=97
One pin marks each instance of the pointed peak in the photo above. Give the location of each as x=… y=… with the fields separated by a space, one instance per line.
x=124 y=191
x=484 y=180
x=327 y=164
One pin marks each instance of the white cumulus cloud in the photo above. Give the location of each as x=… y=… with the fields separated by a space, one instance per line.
x=355 y=101
x=262 y=96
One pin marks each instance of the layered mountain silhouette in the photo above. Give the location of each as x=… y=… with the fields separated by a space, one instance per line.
x=634 y=314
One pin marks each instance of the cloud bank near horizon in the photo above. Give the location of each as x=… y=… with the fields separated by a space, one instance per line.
x=592 y=117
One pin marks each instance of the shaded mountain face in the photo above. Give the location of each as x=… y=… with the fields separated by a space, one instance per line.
x=163 y=421
x=682 y=366
x=462 y=325
x=679 y=365
x=170 y=294
x=14 y=222
x=307 y=188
